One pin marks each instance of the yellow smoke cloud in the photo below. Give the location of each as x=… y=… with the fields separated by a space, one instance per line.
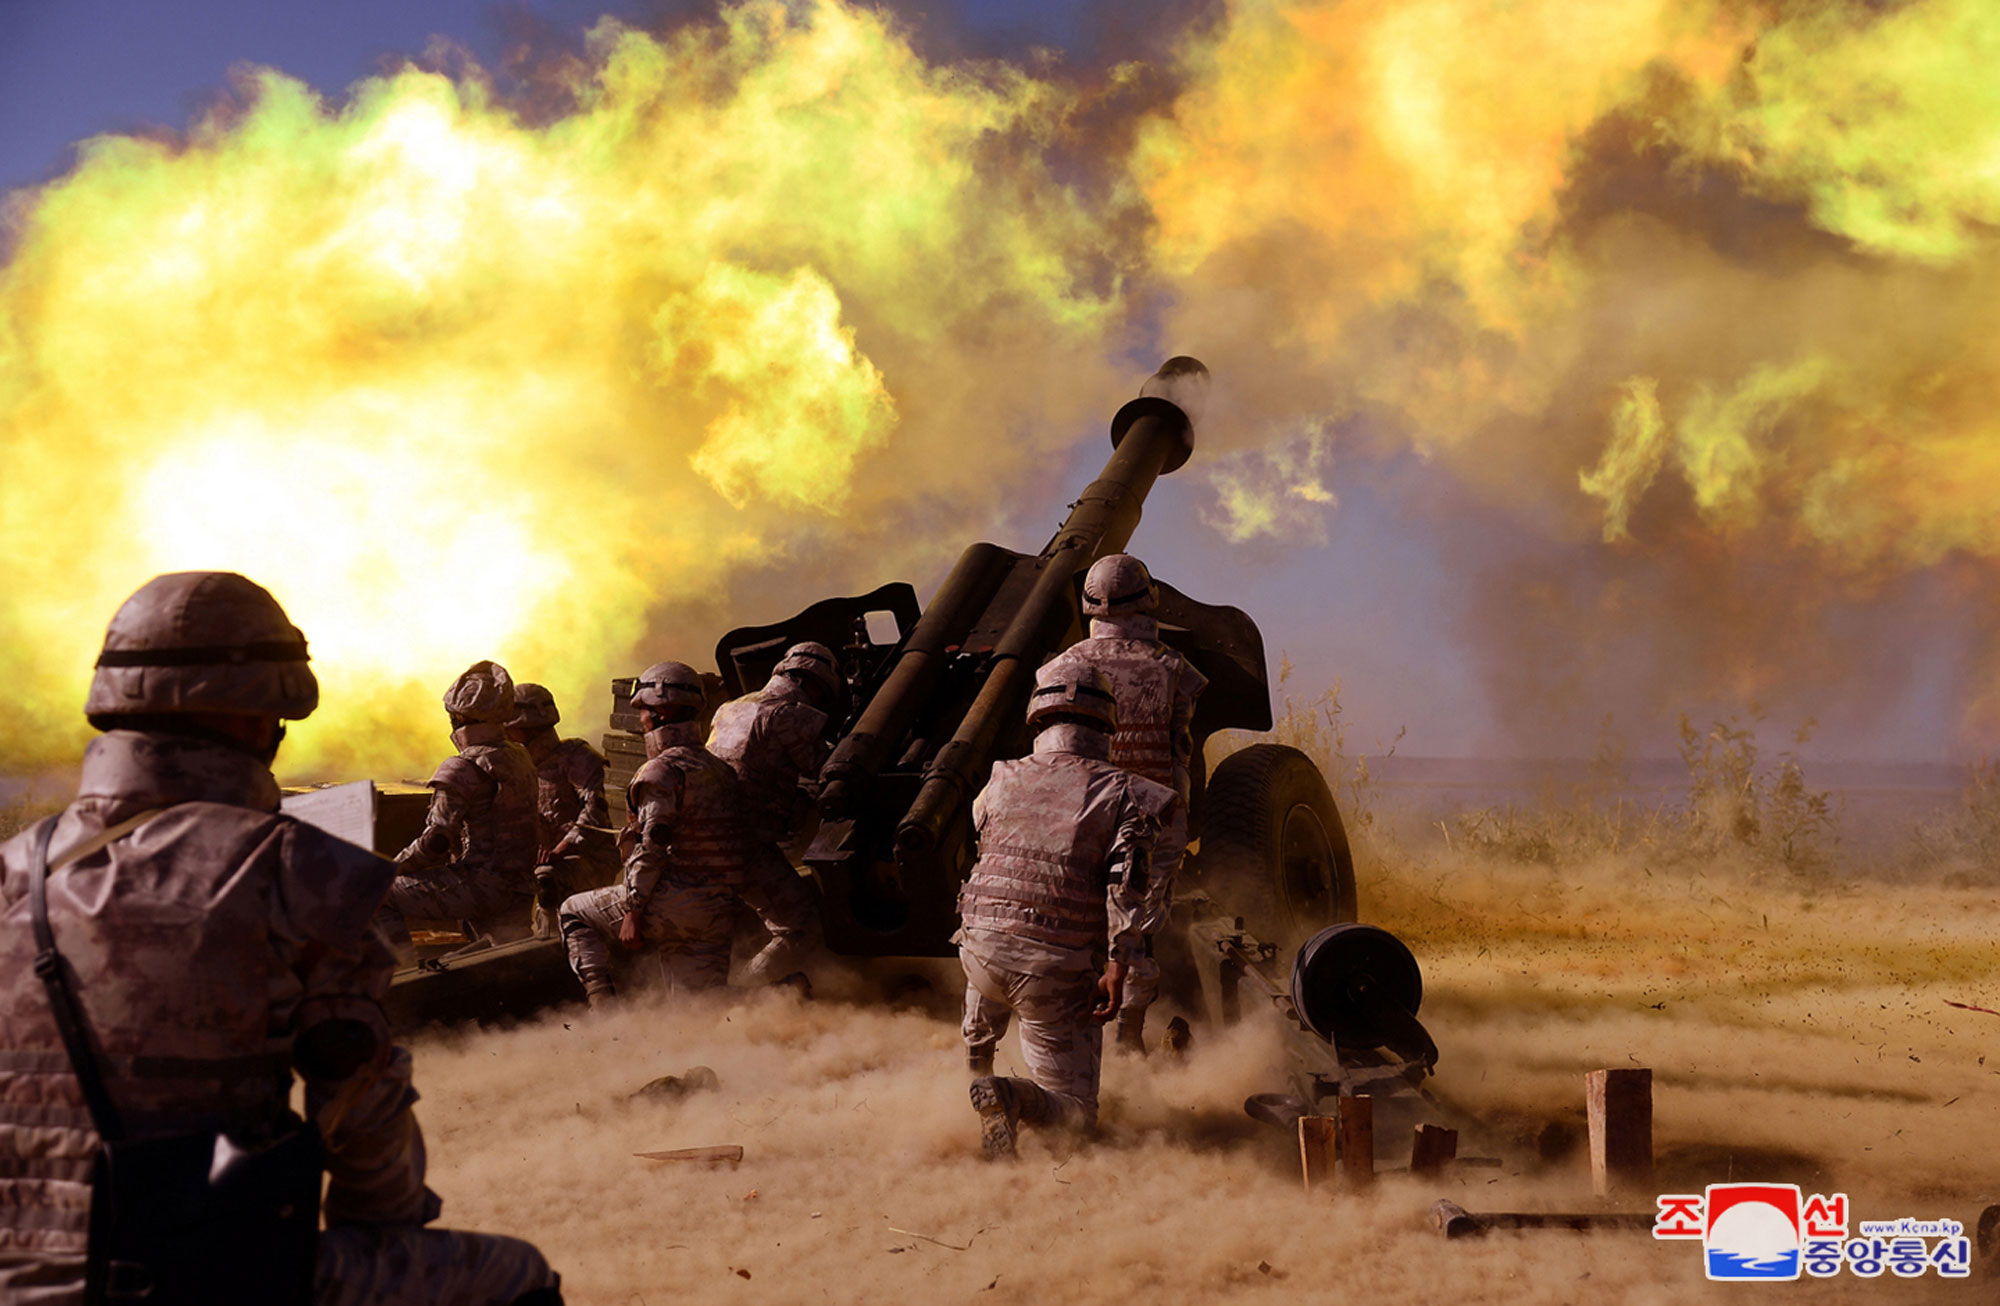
x=802 y=405
x=455 y=386
x=1713 y=282
x=1718 y=444
x=1884 y=119
x=769 y=303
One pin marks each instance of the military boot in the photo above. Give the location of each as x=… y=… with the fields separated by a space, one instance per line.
x=600 y=994
x=1132 y=1033
x=979 y=1059
x=993 y=1099
x=1004 y=1105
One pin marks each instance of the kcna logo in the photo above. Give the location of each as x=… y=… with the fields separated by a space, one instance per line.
x=1771 y=1232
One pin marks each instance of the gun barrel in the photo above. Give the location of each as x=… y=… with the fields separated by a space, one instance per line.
x=1151 y=435
x=920 y=663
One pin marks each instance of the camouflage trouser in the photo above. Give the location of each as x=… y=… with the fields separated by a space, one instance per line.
x=784 y=900
x=401 y=1265
x=1062 y=1044
x=492 y=904
x=690 y=925
x=1142 y=977
x=359 y=1265
x=590 y=867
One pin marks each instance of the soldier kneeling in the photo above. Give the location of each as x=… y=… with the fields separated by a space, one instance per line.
x=474 y=860
x=1050 y=913
x=576 y=846
x=685 y=851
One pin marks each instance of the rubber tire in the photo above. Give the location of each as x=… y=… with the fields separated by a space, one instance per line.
x=1243 y=864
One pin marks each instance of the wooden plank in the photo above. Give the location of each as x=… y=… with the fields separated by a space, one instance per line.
x=729 y=1153
x=1357 y=1140
x=1316 y=1150
x=1433 y=1150
x=1620 y=1103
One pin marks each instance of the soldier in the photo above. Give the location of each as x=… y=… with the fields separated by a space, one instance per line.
x=770 y=739
x=475 y=857
x=1156 y=690
x=209 y=947
x=684 y=851
x=1064 y=841
x=576 y=846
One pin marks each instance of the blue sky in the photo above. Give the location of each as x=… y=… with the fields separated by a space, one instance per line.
x=70 y=68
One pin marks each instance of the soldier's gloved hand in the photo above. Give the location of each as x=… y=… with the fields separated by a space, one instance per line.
x=1110 y=991
x=566 y=845
x=548 y=892
x=628 y=931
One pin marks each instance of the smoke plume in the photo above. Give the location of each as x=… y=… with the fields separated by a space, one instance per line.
x=1686 y=303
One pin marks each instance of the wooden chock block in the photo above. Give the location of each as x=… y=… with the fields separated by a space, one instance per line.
x=1435 y=1148
x=1357 y=1140
x=1621 y=1131
x=1316 y=1150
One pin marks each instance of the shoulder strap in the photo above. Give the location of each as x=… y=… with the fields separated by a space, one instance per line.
x=49 y=966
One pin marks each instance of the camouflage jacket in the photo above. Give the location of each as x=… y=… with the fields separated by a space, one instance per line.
x=770 y=739
x=483 y=818
x=1156 y=689
x=687 y=817
x=569 y=787
x=1065 y=837
x=201 y=945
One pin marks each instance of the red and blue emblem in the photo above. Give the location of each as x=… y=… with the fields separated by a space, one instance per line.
x=1753 y=1231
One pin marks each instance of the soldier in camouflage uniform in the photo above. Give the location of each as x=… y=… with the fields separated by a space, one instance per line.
x=1054 y=898
x=577 y=851
x=216 y=946
x=474 y=860
x=770 y=739
x=685 y=850
x=1156 y=690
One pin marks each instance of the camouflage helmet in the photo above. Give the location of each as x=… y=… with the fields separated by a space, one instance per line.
x=484 y=692
x=810 y=661
x=534 y=708
x=202 y=641
x=1070 y=686
x=667 y=685
x=1118 y=585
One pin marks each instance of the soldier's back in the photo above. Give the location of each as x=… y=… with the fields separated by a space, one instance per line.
x=1152 y=684
x=504 y=822
x=707 y=826
x=183 y=940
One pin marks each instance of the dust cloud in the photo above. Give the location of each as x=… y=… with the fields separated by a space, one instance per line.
x=1797 y=1034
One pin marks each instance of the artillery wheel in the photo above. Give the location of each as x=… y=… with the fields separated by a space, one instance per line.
x=1273 y=849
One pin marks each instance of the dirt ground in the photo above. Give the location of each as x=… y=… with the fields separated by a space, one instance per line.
x=1797 y=1032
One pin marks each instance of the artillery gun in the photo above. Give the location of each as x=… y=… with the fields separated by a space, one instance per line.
x=937 y=694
